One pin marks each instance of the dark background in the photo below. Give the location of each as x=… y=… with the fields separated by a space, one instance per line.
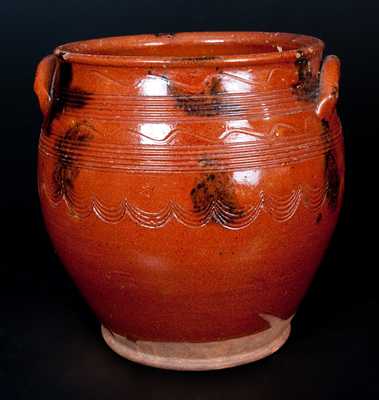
x=50 y=343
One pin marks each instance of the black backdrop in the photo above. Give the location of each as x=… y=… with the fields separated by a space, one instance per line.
x=50 y=344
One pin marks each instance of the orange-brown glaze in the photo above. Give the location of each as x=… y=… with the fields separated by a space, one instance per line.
x=190 y=182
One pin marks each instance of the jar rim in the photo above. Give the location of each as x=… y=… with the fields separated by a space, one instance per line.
x=192 y=49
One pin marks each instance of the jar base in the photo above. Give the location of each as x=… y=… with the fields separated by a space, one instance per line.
x=202 y=356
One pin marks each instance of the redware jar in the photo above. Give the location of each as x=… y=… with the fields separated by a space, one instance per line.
x=190 y=184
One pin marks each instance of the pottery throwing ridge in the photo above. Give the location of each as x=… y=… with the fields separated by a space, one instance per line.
x=190 y=184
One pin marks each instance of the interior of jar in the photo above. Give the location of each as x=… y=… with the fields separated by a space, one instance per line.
x=183 y=50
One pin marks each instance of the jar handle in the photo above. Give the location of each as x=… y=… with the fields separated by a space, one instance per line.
x=329 y=87
x=43 y=83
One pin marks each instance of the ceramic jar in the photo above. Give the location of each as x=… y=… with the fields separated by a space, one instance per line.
x=190 y=184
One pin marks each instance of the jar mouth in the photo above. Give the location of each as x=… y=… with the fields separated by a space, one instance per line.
x=191 y=48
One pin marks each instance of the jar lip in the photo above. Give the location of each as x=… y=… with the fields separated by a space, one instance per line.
x=213 y=49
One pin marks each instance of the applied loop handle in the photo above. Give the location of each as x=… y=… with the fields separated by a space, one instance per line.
x=43 y=82
x=329 y=87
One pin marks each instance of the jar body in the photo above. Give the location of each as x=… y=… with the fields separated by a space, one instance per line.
x=190 y=205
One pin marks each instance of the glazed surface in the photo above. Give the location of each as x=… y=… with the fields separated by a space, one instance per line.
x=187 y=200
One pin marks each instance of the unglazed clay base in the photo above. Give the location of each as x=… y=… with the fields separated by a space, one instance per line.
x=203 y=356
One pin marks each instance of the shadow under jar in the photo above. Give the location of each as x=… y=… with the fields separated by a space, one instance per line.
x=190 y=184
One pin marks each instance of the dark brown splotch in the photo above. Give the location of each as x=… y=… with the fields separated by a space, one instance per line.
x=306 y=86
x=168 y=34
x=62 y=80
x=331 y=173
x=319 y=218
x=212 y=188
x=333 y=179
x=207 y=102
x=79 y=97
x=199 y=58
x=66 y=170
